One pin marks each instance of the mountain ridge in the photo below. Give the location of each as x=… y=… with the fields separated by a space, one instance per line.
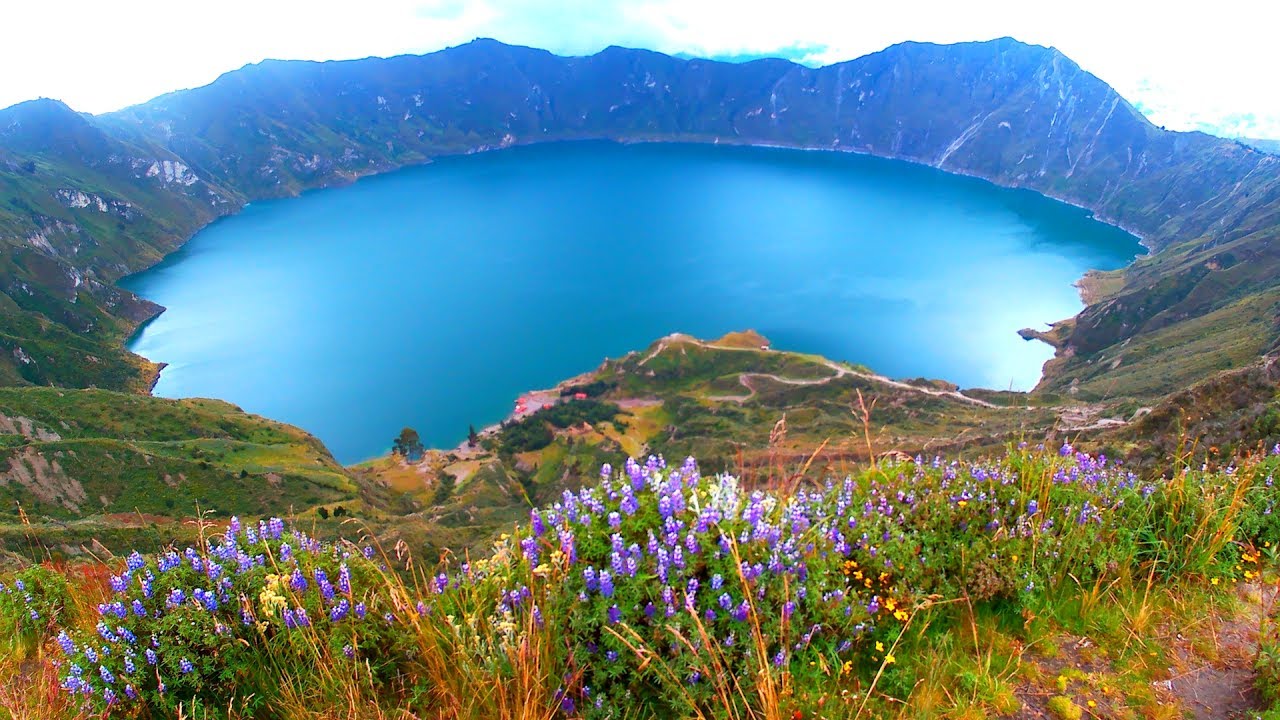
x=1014 y=114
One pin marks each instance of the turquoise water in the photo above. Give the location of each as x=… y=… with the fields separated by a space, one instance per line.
x=433 y=296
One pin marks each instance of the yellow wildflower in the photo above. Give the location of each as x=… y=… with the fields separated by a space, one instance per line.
x=890 y=659
x=270 y=601
x=879 y=646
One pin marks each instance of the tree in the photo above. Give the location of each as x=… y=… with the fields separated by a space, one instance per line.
x=444 y=488
x=323 y=513
x=408 y=444
x=473 y=438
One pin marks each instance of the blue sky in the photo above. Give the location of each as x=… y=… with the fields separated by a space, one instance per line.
x=1188 y=65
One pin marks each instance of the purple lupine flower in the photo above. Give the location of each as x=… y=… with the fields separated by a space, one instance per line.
x=349 y=652
x=322 y=582
x=615 y=615
x=529 y=546
x=339 y=611
x=691 y=593
x=665 y=508
x=629 y=505
x=186 y=666
x=150 y=655
x=606 y=583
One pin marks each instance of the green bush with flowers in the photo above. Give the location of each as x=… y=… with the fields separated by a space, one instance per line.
x=656 y=592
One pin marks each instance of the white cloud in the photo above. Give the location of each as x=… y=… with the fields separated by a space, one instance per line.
x=1186 y=65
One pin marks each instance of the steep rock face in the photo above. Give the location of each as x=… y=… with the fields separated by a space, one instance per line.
x=79 y=207
x=1019 y=115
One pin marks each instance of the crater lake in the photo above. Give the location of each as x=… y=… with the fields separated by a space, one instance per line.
x=433 y=296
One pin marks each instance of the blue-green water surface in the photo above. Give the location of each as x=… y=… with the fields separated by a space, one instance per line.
x=433 y=296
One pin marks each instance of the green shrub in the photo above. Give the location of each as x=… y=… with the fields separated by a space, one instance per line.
x=33 y=601
x=658 y=592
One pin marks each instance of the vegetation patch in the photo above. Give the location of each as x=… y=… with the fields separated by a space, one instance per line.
x=909 y=589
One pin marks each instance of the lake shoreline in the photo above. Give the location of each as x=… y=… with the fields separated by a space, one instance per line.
x=624 y=141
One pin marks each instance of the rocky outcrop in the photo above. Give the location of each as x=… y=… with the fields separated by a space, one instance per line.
x=44 y=480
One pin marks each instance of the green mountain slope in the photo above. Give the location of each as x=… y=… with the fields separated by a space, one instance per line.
x=79 y=207
x=89 y=199
x=68 y=454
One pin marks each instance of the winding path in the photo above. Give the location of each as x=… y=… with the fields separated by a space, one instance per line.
x=840 y=371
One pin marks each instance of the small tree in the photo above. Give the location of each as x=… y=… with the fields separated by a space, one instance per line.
x=408 y=445
x=445 y=484
x=473 y=438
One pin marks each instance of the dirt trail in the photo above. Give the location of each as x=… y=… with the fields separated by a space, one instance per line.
x=1221 y=688
x=1211 y=676
x=840 y=371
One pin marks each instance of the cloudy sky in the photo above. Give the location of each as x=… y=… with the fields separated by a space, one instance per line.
x=1188 y=65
